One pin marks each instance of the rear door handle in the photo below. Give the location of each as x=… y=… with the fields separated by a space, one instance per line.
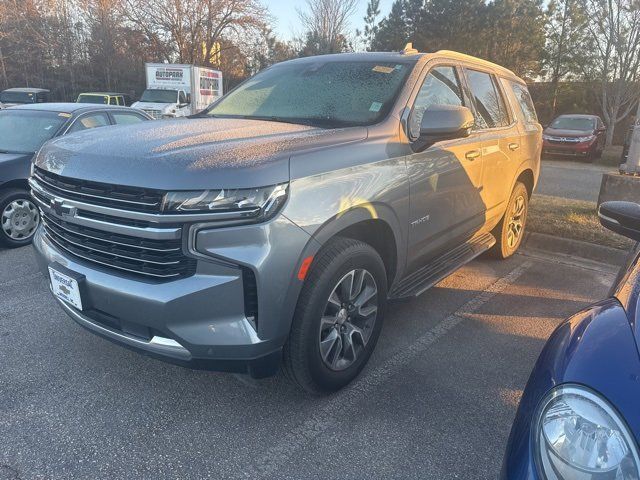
x=472 y=154
x=514 y=146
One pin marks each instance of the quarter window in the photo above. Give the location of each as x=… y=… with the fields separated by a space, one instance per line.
x=441 y=87
x=524 y=101
x=90 y=121
x=127 y=118
x=491 y=111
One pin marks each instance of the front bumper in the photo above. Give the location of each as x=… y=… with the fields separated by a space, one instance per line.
x=580 y=150
x=197 y=322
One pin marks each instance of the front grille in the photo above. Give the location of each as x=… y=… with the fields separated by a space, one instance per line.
x=96 y=222
x=563 y=140
x=156 y=114
x=104 y=194
x=149 y=258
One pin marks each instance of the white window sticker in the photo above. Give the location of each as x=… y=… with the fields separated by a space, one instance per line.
x=375 y=107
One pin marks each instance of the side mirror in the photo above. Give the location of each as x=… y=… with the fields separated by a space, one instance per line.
x=446 y=122
x=621 y=217
x=188 y=98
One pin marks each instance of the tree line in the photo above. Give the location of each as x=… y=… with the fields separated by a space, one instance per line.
x=578 y=55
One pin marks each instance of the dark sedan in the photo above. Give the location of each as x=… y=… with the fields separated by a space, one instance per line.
x=23 y=130
x=577 y=136
x=579 y=417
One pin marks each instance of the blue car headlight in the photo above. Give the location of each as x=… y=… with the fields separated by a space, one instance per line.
x=578 y=435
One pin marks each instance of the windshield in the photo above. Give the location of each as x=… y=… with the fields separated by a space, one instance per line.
x=323 y=93
x=24 y=131
x=17 y=97
x=159 y=96
x=573 y=123
x=101 y=99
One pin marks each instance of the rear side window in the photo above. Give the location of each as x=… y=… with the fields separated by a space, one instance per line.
x=441 y=87
x=90 y=121
x=491 y=111
x=127 y=118
x=524 y=101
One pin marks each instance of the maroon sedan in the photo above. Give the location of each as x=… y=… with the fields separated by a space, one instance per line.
x=579 y=136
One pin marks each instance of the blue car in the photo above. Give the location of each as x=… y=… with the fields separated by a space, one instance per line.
x=579 y=417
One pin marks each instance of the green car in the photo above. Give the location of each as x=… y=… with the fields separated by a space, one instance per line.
x=103 y=98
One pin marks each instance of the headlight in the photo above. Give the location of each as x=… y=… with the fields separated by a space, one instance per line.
x=579 y=436
x=546 y=137
x=586 y=139
x=259 y=203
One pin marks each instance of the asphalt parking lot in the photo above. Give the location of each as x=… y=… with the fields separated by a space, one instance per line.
x=569 y=179
x=436 y=401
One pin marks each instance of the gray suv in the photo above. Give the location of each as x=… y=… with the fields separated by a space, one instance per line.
x=275 y=227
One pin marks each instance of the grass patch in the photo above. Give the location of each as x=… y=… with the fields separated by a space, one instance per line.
x=611 y=156
x=575 y=219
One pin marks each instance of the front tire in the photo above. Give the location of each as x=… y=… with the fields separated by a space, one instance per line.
x=19 y=218
x=338 y=317
x=510 y=231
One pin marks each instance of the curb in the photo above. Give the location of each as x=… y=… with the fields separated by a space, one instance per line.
x=574 y=248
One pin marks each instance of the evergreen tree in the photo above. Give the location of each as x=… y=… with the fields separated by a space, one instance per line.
x=566 y=33
x=370 y=25
x=392 y=32
x=513 y=34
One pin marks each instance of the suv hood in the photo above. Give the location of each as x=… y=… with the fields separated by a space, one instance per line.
x=188 y=154
x=560 y=132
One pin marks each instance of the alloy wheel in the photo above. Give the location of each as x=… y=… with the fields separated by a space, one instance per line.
x=348 y=319
x=515 y=227
x=19 y=219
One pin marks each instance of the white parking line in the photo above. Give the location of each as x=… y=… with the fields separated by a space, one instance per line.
x=322 y=419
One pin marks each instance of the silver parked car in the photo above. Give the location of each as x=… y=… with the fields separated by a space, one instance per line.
x=274 y=227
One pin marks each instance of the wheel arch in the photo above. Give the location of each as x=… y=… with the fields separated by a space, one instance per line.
x=20 y=183
x=527 y=178
x=373 y=224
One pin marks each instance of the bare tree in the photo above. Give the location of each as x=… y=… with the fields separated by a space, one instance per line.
x=614 y=32
x=191 y=31
x=326 y=24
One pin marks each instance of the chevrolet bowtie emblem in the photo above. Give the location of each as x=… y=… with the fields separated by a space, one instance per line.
x=58 y=206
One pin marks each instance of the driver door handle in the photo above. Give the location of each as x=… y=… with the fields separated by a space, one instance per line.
x=514 y=146
x=472 y=154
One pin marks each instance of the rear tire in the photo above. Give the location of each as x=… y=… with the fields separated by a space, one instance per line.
x=338 y=318
x=510 y=231
x=19 y=218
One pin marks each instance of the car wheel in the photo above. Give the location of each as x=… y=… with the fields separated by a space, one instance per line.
x=338 y=317
x=19 y=218
x=510 y=231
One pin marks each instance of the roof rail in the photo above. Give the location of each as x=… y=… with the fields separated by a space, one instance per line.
x=409 y=50
x=470 y=58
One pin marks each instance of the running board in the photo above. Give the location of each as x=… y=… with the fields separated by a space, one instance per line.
x=426 y=277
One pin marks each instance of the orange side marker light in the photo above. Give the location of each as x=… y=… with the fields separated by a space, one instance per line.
x=304 y=268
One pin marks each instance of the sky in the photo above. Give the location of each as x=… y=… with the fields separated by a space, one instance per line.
x=285 y=15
